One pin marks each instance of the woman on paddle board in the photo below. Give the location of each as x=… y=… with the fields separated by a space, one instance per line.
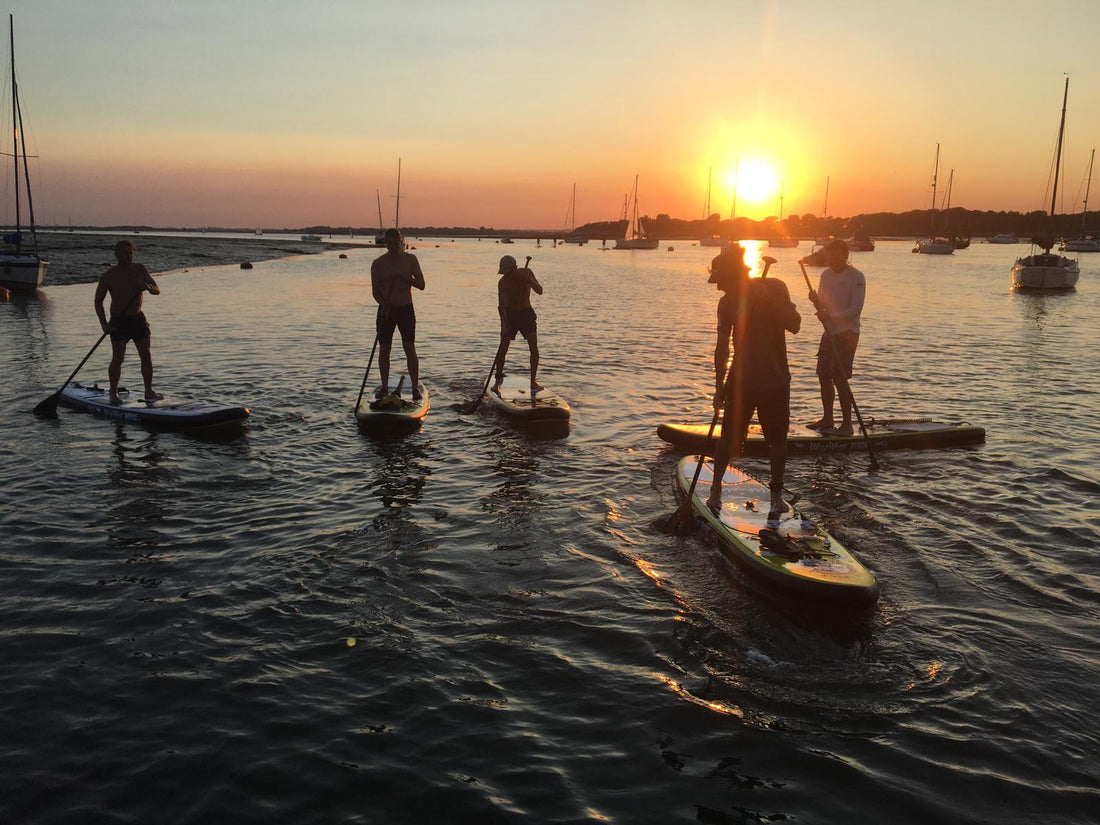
x=756 y=313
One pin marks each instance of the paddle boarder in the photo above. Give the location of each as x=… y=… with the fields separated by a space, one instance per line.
x=756 y=313
x=839 y=302
x=125 y=282
x=517 y=315
x=392 y=277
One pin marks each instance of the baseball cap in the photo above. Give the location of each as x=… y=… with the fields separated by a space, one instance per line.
x=729 y=261
x=507 y=264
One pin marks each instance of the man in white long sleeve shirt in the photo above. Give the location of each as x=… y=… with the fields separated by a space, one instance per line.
x=839 y=302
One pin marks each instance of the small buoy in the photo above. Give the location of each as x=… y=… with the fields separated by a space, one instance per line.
x=351 y=641
x=5 y=294
x=246 y=265
x=342 y=255
x=670 y=249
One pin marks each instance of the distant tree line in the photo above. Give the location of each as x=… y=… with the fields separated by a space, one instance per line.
x=916 y=223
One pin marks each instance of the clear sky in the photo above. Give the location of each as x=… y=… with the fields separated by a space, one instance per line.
x=287 y=114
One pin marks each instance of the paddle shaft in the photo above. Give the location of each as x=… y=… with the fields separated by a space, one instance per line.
x=49 y=406
x=718 y=407
x=496 y=361
x=843 y=378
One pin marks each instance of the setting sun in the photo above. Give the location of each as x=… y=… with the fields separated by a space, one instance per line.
x=755 y=181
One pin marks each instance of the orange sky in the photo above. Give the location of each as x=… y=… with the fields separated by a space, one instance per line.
x=206 y=114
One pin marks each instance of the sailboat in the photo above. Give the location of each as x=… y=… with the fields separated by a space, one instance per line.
x=634 y=236
x=380 y=238
x=19 y=269
x=572 y=235
x=938 y=245
x=782 y=241
x=1084 y=243
x=1046 y=270
x=713 y=240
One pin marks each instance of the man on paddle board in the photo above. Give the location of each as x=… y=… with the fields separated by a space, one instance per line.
x=839 y=303
x=756 y=313
x=392 y=277
x=517 y=315
x=125 y=282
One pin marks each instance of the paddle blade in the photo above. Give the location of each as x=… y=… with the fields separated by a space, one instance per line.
x=470 y=406
x=47 y=408
x=680 y=523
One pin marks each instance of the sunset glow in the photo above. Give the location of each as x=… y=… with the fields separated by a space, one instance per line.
x=220 y=116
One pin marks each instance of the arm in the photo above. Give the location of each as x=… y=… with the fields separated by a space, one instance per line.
x=376 y=284
x=530 y=276
x=148 y=283
x=721 y=355
x=784 y=307
x=416 y=277
x=100 y=294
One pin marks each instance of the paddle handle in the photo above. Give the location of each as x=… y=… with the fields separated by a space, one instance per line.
x=843 y=377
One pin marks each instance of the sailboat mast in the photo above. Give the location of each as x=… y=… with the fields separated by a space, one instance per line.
x=14 y=119
x=397 y=210
x=736 y=174
x=935 y=174
x=706 y=204
x=634 y=215
x=1088 y=186
x=1058 y=156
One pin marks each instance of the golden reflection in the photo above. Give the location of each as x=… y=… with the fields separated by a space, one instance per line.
x=933 y=671
x=649 y=570
x=717 y=707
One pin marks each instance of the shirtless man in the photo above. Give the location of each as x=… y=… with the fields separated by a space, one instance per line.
x=392 y=277
x=125 y=281
x=517 y=315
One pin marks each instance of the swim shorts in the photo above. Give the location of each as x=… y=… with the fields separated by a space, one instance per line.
x=129 y=328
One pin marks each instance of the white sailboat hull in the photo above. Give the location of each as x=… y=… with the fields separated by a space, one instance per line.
x=637 y=243
x=1082 y=245
x=935 y=248
x=1045 y=271
x=22 y=271
x=784 y=243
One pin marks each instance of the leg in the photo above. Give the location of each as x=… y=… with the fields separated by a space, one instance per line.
x=413 y=362
x=844 y=392
x=825 y=381
x=775 y=420
x=502 y=353
x=144 y=349
x=114 y=371
x=533 y=345
x=735 y=427
x=384 y=364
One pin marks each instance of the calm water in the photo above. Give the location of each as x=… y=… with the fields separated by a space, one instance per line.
x=177 y=610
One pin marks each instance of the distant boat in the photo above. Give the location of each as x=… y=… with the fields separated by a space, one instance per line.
x=1046 y=270
x=939 y=244
x=713 y=240
x=572 y=235
x=1084 y=243
x=19 y=269
x=861 y=241
x=259 y=232
x=506 y=240
x=1003 y=237
x=634 y=236
x=782 y=241
x=311 y=238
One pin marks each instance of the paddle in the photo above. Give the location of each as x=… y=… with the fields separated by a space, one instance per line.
x=473 y=405
x=683 y=514
x=844 y=378
x=48 y=408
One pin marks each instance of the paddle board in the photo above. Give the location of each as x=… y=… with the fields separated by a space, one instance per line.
x=513 y=399
x=891 y=434
x=395 y=410
x=795 y=556
x=176 y=413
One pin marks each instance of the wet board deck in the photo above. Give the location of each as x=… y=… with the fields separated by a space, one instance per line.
x=395 y=410
x=797 y=556
x=175 y=413
x=890 y=434
x=514 y=400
